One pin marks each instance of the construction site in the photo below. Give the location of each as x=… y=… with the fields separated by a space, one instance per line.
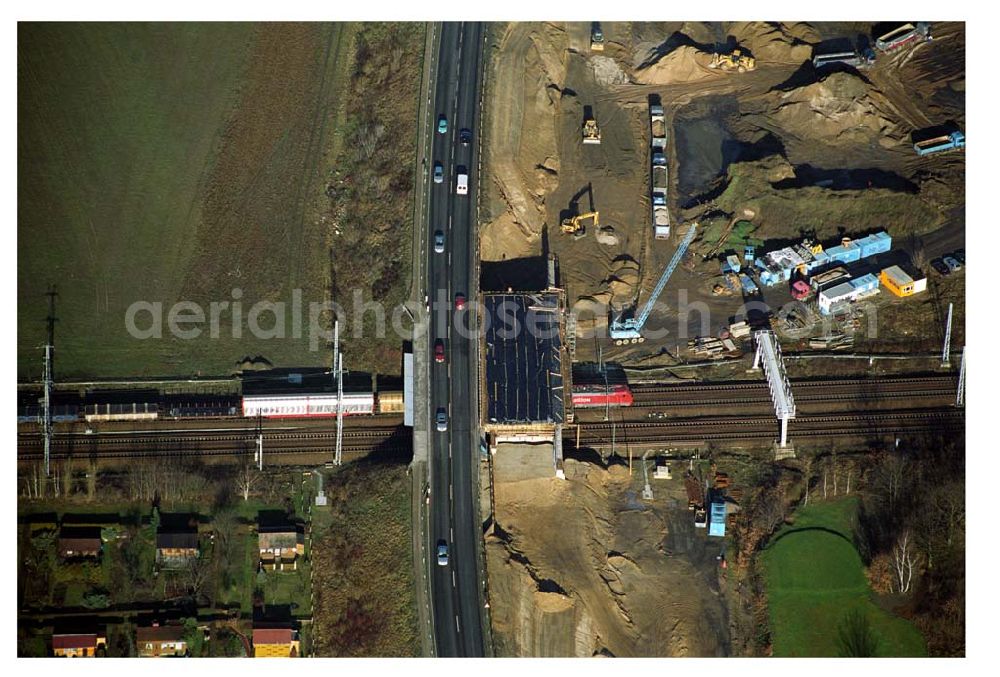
x=720 y=207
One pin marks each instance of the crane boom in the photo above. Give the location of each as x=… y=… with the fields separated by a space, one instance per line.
x=629 y=329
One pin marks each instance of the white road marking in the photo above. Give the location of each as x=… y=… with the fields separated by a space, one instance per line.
x=458 y=628
x=454 y=582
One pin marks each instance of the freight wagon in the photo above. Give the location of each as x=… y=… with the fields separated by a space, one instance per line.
x=599 y=395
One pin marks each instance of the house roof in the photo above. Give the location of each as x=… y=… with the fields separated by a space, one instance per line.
x=160 y=633
x=177 y=540
x=79 y=544
x=73 y=641
x=280 y=539
x=273 y=636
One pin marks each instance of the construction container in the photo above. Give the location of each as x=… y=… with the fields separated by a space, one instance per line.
x=877 y=243
x=845 y=253
x=900 y=283
x=836 y=297
x=717 y=526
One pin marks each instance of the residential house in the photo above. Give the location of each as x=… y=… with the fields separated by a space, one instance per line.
x=77 y=646
x=280 y=546
x=79 y=542
x=275 y=643
x=175 y=548
x=160 y=640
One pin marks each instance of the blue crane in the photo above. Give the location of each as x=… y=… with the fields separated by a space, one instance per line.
x=630 y=329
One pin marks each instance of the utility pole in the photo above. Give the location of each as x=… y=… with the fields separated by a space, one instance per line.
x=604 y=373
x=259 y=454
x=960 y=397
x=946 y=351
x=338 y=459
x=340 y=391
x=49 y=377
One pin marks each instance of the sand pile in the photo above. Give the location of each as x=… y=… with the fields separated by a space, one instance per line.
x=840 y=109
x=683 y=64
x=771 y=43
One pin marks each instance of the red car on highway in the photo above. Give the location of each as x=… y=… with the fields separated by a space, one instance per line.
x=439 y=351
x=460 y=301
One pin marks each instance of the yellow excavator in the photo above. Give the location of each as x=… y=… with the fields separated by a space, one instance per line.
x=574 y=225
x=737 y=61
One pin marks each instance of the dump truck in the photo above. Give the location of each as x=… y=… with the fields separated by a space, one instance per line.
x=737 y=61
x=661 y=223
x=658 y=126
x=659 y=181
x=856 y=59
x=939 y=144
x=903 y=35
x=591 y=132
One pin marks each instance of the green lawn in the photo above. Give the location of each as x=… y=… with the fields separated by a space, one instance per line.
x=815 y=577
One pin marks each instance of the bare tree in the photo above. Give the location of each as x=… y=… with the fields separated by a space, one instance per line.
x=247 y=477
x=807 y=463
x=904 y=561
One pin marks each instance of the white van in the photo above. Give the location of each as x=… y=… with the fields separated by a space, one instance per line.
x=462 y=187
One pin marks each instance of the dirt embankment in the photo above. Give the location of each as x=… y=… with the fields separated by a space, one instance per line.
x=523 y=159
x=583 y=567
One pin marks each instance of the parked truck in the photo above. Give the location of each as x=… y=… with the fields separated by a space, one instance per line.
x=658 y=125
x=938 y=144
x=903 y=35
x=659 y=185
x=856 y=59
x=661 y=223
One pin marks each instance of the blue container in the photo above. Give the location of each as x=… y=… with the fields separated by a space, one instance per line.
x=849 y=254
x=878 y=243
x=865 y=283
x=717 y=526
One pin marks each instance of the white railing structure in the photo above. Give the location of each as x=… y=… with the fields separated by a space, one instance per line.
x=960 y=397
x=946 y=350
x=777 y=380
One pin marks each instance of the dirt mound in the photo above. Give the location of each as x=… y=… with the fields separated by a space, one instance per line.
x=840 y=109
x=523 y=149
x=771 y=43
x=683 y=64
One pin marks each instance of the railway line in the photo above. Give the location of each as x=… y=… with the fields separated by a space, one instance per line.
x=214 y=443
x=735 y=428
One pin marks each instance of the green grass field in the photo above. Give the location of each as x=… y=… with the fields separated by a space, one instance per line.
x=166 y=162
x=815 y=577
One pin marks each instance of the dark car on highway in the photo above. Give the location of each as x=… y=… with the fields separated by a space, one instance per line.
x=465 y=136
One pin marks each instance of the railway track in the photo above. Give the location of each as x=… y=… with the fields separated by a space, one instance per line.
x=198 y=443
x=739 y=428
x=855 y=385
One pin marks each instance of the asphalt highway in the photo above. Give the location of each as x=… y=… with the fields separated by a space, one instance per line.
x=455 y=587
